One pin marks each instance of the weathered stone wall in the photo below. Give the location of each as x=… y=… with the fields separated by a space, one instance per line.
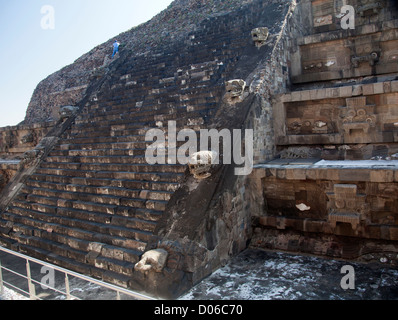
x=357 y=122
x=273 y=77
x=16 y=140
x=341 y=105
x=8 y=169
x=331 y=53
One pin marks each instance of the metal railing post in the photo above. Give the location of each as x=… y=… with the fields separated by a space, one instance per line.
x=32 y=288
x=1 y=280
x=67 y=287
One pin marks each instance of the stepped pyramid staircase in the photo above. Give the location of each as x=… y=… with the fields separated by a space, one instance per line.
x=95 y=192
x=93 y=203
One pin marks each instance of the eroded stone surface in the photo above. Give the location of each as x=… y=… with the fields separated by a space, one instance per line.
x=264 y=275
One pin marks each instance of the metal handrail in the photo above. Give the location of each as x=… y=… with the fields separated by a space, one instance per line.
x=67 y=273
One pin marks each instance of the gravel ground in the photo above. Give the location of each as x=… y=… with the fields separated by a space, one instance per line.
x=265 y=275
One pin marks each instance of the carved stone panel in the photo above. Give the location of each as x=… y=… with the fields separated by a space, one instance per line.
x=358 y=119
x=259 y=36
x=235 y=91
x=346 y=205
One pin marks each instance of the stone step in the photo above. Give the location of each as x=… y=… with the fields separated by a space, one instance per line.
x=103 y=139
x=91 y=220
x=115 y=167
x=114 y=194
x=134 y=149
x=95 y=146
x=97 y=190
x=105 y=203
x=130 y=127
x=93 y=232
x=80 y=129
x=102 y=120
x=148 y=120
x=52 y=258
x=97 y=159
x=96 y=153
x=126 y=110
x=46 y=203
x=64 y=157
x=121 y=277
x=32 y=195
x=38 y=179
x=147 y=214
x=111 y=111
x=127 y=130
x=144 y=209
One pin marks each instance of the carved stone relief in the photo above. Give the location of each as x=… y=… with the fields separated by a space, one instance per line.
x=358 y=116
x=200 y=164
x=259 y=36
x=347 y=205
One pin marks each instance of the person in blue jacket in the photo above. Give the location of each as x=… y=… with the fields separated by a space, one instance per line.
x=116 y=45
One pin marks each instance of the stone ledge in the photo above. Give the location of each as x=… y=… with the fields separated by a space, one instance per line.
x=374 y=231
x=361 y=170
x=341 y=34
x=341 y=92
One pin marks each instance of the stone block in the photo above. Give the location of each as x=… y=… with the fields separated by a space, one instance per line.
x=345 y=188
x=322 y=21
x=392 y=99
x=332 y=174
x=393 y=233
x=394 y=86
x=144 y=194
x=354 y=175
x=286 y=97
x=357 y=90
x=311 y=174
x=305 y=95
x=295 y=174
x=345 y=91
x=387 y=87
x=320 y=94
x=313 y=94
x=313 y=226
x=382 y=175
x=281 y=173
x=281 y=223
x=268 y=221
x=296 y=96
x=368 y=89
x=332 y=92
x=378 y=88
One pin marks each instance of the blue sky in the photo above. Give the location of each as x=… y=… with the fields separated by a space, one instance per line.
x=29 y=53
